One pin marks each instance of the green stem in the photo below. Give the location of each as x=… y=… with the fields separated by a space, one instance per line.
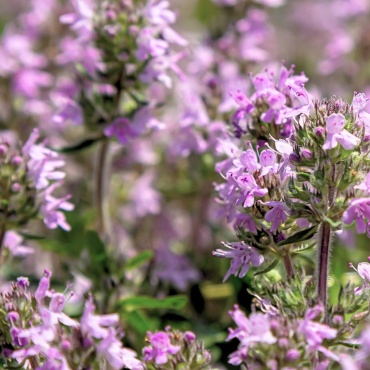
x=102 y=175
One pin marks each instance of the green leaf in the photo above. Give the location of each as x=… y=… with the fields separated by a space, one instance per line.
x=94 y=243
x=303 y=176
x=139 y=260
x=134 y=303
x=305 y=248
x=348 y=345
x=31 y=236
x=332 y=223
x=300 y=236
x=79 y=146
x=97 y=251
x=139 y=322
x=270 y=267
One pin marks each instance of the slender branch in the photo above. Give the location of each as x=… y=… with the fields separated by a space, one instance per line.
x=102 y=171
x=2 y=235
x=288 y=265
x=324 y=243
x=323 y=254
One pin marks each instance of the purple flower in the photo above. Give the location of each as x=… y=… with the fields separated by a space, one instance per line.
x=121 y=128
x=117 y=356
x=13 y=242
x=51 y=206
x=365 y=186
x=70 y=111
x=359 y=102
x=248 y=161
x=249 y=189
x=268 y=162
x=43 y=287
x=96 y=326
x=246 y=222
x=363 y=269
x=336 y=133
x=358 y=210
x=149 y=45
x=315 y=332
x=146 y=199
x=249 y=331
x=160 y=348
x=242 y=257
x=277 y=215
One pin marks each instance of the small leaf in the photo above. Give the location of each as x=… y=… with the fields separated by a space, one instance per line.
x=139 y=260
x=134 y=303
x=140 y=322
x=305 y=248
x=300 y=236
x=31 y=236
x=303 y=176
x=97 y=251
x=79 y=146
x=349 y=345
x=332 y=223
x=270 y=267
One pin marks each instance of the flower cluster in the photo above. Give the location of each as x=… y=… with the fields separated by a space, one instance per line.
x=273 y=342
x=174 y=348
x=298 y=183
x=133 y=45
x=29 y=179
x=39 y=334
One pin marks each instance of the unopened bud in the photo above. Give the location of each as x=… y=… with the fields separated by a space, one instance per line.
x=16 y=161
x=16 y=187
x=3 y=149
x=13 y=316
x=295 y=159
x=292 y=355
x=189 y=336
x=306 y=153
x=319 y=132
x=23 y=282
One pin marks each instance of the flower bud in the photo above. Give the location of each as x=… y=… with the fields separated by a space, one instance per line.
x=16 y=187
x=306 y=153
x=3 y=149
x=13 y=316
x=295 y=159
x=283 y=342
x=189 y=336
x=16 y=161
x=23 y=282
x=292 y=355
x=319 y=132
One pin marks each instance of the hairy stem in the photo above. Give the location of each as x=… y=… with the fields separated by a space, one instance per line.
x=102 y=171
x=288 y=266
x=323 y=254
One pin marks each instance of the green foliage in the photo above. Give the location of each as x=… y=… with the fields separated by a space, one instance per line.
x=139 y=260
x=299 y=237
x=145 y=302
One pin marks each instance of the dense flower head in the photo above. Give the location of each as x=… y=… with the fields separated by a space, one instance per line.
x=37 y=328
x=30 y=177
x=265 y=336
x=177 y=348
x=274 y=102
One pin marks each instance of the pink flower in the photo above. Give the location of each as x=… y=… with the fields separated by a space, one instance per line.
x=241 y=255
x=160 y=348
x=336 y=133
x=358 y=210
x=277 y=215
